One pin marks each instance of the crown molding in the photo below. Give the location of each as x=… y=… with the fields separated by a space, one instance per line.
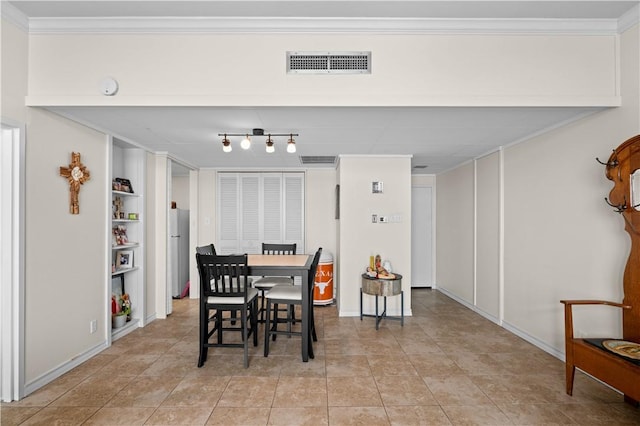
x=11 y=14
x=320 y=25
x=629 y=19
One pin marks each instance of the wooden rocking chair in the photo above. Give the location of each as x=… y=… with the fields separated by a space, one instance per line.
x=590 y=355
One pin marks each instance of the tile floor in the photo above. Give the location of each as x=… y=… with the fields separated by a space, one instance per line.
x=447 y=365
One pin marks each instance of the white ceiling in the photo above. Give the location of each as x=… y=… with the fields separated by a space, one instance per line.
x=437 y=137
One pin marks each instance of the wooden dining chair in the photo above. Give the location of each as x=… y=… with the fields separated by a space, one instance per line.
x=291 y=296
x=223 y=289
x=264 y=284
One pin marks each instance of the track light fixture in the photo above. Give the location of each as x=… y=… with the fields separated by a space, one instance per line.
x=270 y=147
x=246 y=141
x=226 y=144
x=291 y=144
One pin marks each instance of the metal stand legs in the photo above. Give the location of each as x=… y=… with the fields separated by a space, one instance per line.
x=378 y=316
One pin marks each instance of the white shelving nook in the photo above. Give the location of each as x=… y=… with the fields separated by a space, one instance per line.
x=128 y=236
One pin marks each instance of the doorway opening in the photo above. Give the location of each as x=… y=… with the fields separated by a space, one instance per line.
x=179 y=247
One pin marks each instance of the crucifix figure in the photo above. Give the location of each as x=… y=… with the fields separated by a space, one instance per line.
x=77 y=174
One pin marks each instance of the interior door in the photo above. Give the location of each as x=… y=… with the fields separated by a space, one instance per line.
x=421 y=237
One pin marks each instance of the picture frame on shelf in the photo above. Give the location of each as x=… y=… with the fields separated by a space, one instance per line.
x=124 y=259
x=122 y=185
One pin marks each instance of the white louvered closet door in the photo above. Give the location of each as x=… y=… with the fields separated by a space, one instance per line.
x=228 y=208
x=250 y=226
x=273 y=217
x=294 y=210
x=259 y=207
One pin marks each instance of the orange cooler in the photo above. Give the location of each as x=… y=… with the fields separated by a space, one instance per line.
x=323 y=291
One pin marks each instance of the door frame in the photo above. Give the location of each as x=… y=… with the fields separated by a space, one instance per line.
x=12 y=254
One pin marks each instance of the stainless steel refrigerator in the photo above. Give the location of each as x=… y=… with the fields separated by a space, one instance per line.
x=178 y=253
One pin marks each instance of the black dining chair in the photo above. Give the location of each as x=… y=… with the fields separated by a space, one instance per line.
x=223 y=289
x=291 y=296
x=264 y=284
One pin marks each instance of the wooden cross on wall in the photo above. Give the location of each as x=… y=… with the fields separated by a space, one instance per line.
x=77 y=174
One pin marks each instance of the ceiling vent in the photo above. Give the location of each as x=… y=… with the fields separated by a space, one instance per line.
x=318 y=159
x=328 y=62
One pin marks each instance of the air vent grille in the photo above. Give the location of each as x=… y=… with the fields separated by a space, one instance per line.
x=329 y=62
x=317 y=159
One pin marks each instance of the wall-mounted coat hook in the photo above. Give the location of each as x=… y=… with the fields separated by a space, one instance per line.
x=619 y=208
x=612 y=162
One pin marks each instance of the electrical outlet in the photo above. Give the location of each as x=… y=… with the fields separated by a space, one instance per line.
x=93 y=326
x=383 y=219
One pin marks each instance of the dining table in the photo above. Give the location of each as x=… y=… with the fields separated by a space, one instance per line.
x=287 y=265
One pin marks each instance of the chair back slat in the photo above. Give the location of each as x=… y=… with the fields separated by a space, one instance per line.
x=208 y=249
x=223 y=276
x=278 y=248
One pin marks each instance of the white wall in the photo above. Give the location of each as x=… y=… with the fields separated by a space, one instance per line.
x=454 y=232
x=488 y=219
x=420 y=69
x=561 y=241
x=14 y=50
x=573 y=244
x=320 y=211
x=66 y=259
x=360 y=238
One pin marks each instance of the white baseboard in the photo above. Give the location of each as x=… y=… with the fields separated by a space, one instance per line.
x=126 y=329
x=509 y=327
x=534 y=341
x=63 y=368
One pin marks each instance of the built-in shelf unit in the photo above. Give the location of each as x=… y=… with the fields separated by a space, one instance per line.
x=128 y=236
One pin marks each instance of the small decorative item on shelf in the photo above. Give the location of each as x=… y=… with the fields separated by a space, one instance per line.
x=118 y=208
x=120 y=310
x=125 y=304
x=378 y=270
x=118 y=320
x=133 y=216
x=120 y=235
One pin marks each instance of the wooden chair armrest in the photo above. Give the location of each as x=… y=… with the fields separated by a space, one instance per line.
x=568 y=312
x=568 y=303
